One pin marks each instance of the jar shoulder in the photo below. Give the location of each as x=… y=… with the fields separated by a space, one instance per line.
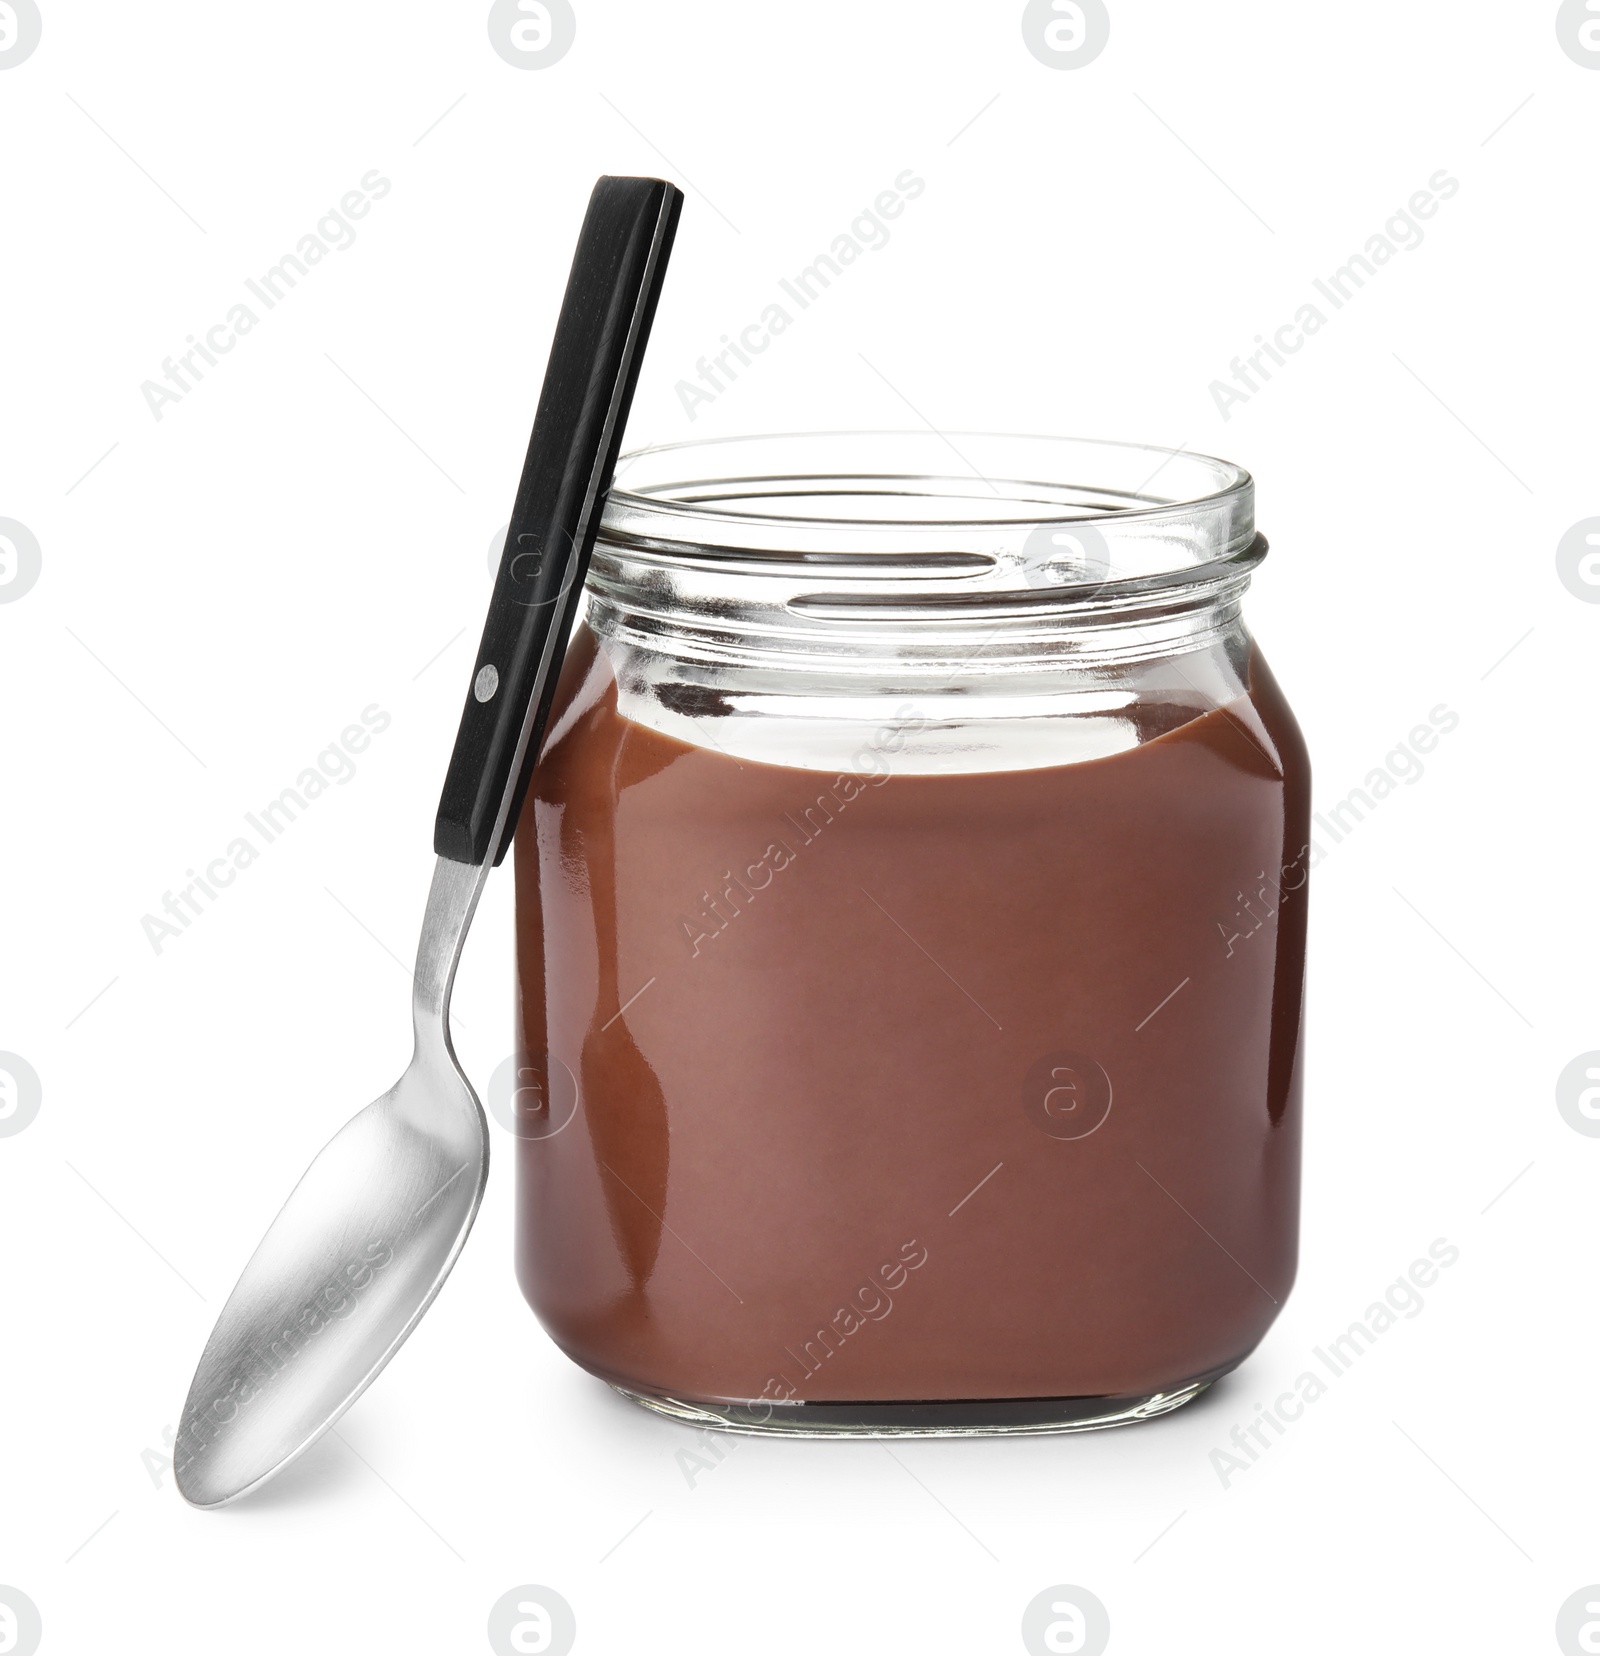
x=984 y=721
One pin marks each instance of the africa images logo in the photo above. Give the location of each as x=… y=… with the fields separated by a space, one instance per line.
x=1066 y=34
x=20 y=29
x=532 y=34
x=20 y=560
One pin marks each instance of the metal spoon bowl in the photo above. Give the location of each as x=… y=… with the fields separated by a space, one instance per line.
x=356 y=1254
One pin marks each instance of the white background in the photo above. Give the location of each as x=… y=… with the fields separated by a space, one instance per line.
x=301 y=537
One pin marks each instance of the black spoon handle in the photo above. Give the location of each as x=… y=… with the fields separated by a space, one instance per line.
x=599 y=342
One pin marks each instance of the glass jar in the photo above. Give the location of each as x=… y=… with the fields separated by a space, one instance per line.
x=911 y=911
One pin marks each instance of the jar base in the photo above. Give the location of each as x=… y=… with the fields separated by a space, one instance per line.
x=999 y=1417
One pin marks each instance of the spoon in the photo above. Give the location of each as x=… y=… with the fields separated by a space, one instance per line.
x=366 y=1239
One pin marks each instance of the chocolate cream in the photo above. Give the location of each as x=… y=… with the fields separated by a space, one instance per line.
x=896 y=1086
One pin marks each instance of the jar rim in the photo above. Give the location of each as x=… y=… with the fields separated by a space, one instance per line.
x=641 y=491
x=975 y=517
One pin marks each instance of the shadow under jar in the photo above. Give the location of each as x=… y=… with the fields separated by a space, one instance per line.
x=911 y=911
